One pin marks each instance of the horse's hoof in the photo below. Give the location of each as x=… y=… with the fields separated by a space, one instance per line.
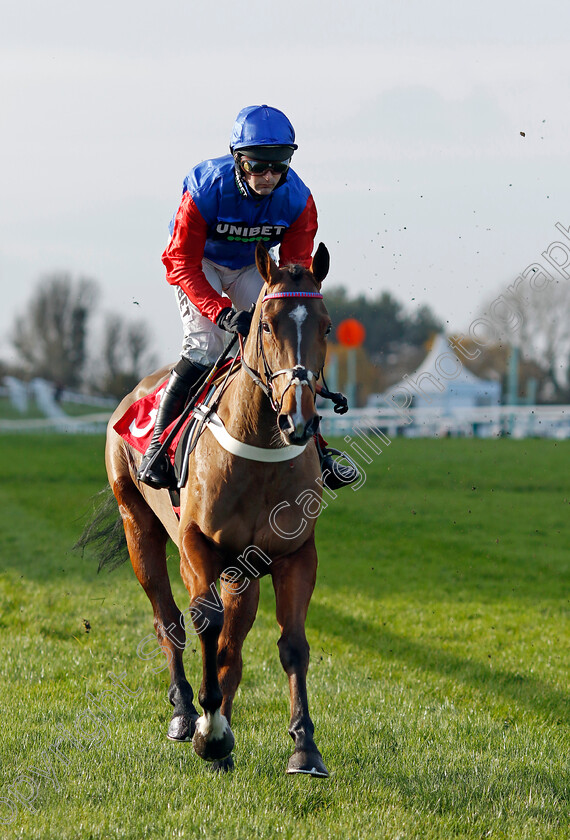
x=309 y=763
x=226 y=765
x=213 y=739
x=181 y=728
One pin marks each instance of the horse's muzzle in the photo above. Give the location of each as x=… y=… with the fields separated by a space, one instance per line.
x=297 y=431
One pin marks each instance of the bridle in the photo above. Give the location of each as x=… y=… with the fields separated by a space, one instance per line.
x=299 y=375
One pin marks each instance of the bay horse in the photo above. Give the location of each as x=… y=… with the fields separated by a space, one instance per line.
x=228 y=513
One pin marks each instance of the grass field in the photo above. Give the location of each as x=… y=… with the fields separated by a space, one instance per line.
x=439 y=634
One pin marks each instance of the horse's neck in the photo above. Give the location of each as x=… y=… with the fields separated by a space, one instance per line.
x=247 y=413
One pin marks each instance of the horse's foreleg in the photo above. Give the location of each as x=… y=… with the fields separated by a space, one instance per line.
x=240 y=608
x=294 y=581
x=200 y=567
x=146 y=540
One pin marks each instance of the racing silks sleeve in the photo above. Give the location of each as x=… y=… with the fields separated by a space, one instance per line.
x=183 y=260
x=297 y=244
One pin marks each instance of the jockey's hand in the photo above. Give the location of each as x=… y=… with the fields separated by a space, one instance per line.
x=339 y=400
x=234 y=322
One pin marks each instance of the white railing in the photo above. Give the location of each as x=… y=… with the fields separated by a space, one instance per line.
x=552 y=421
x=55 y=418
x=87 y=424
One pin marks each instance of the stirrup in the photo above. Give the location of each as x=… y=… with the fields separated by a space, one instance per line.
x=337 y=475
x=156 y=471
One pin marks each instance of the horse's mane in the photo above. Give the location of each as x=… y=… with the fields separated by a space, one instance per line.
x=295 y=272
x=299 y=272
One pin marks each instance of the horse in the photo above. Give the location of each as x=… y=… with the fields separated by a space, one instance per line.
x=239 y=505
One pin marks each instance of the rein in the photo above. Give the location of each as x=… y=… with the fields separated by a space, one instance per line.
x=299 y=375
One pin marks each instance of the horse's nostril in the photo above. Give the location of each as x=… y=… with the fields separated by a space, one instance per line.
x=299 y=433
x=312 y=426
x=285 y=423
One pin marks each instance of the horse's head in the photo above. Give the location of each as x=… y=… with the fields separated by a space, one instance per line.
x=289 y=331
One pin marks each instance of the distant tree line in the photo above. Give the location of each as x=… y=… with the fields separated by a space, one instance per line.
x=54 y=340
x=540 y=326
x=537 y=321
x=388 y=326
x=54 y=336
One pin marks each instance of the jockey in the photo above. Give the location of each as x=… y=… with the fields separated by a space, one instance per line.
x=229 y=204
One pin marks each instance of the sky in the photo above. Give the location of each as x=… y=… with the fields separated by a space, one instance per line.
x=408 y=118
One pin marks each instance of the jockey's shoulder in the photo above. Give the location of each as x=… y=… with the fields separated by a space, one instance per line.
x=207 y=173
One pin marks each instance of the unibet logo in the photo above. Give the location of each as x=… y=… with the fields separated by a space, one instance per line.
x=243 y=233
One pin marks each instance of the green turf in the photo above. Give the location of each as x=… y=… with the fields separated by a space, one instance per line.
x=439 y=631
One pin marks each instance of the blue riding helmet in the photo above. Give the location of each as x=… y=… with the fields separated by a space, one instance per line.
x=265 y=132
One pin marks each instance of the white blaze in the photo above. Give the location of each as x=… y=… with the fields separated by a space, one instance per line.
x=298 y=315
x=298 y=419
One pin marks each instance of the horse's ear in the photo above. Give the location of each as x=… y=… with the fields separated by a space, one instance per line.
x=265 y=264
x=321 y=263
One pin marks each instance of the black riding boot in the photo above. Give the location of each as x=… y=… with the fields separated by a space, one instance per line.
x=160 y=473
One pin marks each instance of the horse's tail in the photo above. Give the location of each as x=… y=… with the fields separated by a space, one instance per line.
x=104 y=532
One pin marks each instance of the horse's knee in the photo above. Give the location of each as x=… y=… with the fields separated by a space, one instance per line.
x=230 y=666
x=228 y=660
x=293 y=652
x=173 y=633
x=208 y=620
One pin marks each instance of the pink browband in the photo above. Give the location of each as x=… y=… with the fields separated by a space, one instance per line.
x=293 y=295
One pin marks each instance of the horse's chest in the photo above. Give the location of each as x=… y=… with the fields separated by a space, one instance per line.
x=273 y=514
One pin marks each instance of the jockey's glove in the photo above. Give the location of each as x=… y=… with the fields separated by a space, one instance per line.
x=340 y=402
x=235 y=322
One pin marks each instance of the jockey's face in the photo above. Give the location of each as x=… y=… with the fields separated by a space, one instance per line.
x=263 y=184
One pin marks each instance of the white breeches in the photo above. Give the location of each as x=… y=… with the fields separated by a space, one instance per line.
x=203 y=340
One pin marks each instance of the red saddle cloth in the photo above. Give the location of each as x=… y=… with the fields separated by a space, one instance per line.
x=137 y=423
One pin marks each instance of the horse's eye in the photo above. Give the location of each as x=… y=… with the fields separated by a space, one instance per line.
x=265 y=327
x=328 y=329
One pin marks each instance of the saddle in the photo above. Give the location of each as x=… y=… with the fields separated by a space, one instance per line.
x=137 y=424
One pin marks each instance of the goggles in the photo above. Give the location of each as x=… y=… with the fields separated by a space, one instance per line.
x=259 y=167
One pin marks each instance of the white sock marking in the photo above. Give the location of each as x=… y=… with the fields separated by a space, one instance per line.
x=212 y=726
